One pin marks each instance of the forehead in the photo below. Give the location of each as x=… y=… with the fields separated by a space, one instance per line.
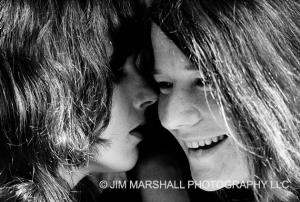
x=166 y=53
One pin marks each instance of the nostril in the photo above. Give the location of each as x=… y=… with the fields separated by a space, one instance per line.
x=147 y=103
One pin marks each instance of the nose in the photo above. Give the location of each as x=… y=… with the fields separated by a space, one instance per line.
x=179 y=111
x=145 y=96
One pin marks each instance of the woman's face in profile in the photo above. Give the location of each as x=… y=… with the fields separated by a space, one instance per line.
x=190 y=112
x=131 y=96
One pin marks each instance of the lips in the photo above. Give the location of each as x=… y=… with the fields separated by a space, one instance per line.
x=138 y=131
x=205 y=144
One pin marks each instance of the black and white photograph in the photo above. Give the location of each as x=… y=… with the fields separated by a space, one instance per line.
x=150 y=100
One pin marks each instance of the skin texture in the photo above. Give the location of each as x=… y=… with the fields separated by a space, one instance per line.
x=188 y=109
x=131 y=97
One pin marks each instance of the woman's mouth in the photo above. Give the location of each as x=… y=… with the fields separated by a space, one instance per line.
x=205 y=144
x=138 y=132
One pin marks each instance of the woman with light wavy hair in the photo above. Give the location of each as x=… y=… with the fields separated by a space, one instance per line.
x=229 y=76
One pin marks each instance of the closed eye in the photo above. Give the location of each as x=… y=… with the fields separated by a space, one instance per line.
x=165 y=87
x=165 y=84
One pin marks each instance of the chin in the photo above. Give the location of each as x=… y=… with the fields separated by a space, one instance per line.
x=206 y=184
x=212 y=182
x=114 y=160
x=125 y=164
x=127 y=161
x=120 y=163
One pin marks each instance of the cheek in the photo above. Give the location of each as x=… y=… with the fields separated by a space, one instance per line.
x=230 y=166
x=116 y=156
x=209 y=106
x=161 y=107
x=204 y=100
x=165 y=110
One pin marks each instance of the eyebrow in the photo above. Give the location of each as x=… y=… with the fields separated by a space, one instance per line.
x=189 y=67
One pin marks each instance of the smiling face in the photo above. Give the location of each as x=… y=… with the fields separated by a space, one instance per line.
x=131 y=96
x=188 y=109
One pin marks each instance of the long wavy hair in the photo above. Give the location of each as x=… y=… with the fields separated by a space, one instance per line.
x=250 y=50
x=55 y=89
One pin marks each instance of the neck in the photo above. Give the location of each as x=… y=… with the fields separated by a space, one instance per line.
x=72 y=177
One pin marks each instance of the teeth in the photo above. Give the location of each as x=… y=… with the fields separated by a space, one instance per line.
x=215 y=139
x=208 y=141
x=192 y=144
x=201 y=143
x=195 y=144
x=188 y=144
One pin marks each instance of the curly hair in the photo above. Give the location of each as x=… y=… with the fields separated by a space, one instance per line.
x=55 y=89
x=250 y=49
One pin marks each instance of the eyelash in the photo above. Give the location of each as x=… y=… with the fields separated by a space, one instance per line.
x=165 y=86
x=119 y=71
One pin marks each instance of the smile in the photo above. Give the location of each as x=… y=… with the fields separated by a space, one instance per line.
x=205 y=143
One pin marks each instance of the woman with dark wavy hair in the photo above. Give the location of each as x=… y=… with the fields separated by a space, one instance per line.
x=229 y=76
x=71 y=94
